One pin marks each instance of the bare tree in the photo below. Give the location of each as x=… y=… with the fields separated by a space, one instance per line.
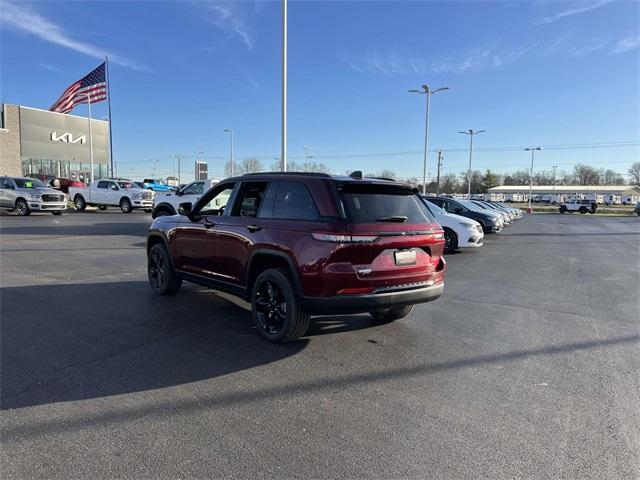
x=250 y=165
x=634 y=171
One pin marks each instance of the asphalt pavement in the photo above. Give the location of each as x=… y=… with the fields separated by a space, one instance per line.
x=527 y=367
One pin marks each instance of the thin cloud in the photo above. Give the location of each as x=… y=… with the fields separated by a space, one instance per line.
x=229 y=17
x=627 y=44
x=583 y=7
x=24 y=19
x=588 y=47
x=252 y=81
x=51 y=68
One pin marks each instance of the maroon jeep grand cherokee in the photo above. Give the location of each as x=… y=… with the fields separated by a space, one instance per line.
x=296 y=244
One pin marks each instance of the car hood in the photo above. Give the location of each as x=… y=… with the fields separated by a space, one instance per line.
x=460 y=218
x=40 y=190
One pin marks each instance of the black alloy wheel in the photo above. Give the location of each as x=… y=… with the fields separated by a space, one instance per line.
x=271 y=307
x=450 y=240
x=276 y=310
x=162 y=278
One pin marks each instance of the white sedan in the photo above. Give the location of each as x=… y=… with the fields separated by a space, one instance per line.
x=459 y=231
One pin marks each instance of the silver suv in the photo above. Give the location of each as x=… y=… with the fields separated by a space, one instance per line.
x=25 y=195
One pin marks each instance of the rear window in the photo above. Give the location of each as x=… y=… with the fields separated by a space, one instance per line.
x=383 y=204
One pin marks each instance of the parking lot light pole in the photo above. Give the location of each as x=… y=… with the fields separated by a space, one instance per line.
x=533 y=151
x=428 y=92
x=283 y=139
x=471 y=133
x=230 y=131
x=178 y=157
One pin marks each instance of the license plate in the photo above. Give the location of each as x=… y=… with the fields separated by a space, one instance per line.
x=405 y=257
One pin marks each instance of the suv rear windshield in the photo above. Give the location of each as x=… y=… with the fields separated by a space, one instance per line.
x=372 y=203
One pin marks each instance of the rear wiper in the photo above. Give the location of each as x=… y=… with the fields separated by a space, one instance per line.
x=397 y=219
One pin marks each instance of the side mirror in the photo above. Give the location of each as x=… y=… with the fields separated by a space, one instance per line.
x=114 y=187
x=185 y=209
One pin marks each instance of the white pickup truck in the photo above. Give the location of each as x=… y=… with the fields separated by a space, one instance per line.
x=112 y=192
x=168 y=203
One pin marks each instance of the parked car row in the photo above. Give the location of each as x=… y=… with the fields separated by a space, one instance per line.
x=466 y=221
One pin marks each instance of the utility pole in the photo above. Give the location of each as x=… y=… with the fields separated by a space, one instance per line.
x=306 y=157
x=428 y=92
x=230 y=131
x=471 y=133
x=533 y=151
x=438 y=177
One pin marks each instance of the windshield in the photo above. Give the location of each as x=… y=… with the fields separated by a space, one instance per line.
x=470 y=205
x=29 y=183
x=383 y=204
x=434 y=209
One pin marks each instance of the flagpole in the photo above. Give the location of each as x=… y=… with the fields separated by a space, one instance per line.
x=90 y=139
x=106 y=65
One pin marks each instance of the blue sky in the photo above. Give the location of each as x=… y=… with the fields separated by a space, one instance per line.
x=530 y=73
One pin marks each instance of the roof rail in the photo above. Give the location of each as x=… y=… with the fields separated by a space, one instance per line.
x=306 y=174
x=384 y=178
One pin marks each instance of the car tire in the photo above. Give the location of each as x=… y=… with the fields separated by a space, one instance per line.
x=102 y=207
x=275 y=307
x=450 y=240
x=79 y=203
x=563 y=209
x=163 y=279
x=22 y=208
x=57 y=213
x=125 y=205
x=391 y=314
x=583 y=210
x=147 y=210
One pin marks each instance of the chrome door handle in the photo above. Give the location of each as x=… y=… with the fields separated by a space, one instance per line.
x=254 y=228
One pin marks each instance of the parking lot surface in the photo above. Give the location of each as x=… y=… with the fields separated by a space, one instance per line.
x=527 y=366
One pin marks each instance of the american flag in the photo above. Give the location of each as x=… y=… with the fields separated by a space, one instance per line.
x=93 y=85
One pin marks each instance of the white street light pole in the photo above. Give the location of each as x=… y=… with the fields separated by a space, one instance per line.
x=230 y=131
x=471 y=133
x=178 y=157
x=533 y=151
x=428 y=92
x=283 y=146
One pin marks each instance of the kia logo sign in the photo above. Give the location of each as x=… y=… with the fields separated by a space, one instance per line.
x=68 y=138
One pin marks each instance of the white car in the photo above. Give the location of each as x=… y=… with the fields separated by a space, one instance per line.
x=459 y=231
x=114 y=192
x=168 y=203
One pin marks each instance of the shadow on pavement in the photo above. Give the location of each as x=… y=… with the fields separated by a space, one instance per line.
x=247 y=396
x=72 y=342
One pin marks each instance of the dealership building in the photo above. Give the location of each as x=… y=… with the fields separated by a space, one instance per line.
x=44 y=142
x=613 y=194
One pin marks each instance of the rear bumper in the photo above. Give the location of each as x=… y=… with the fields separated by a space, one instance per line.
x=345 y=304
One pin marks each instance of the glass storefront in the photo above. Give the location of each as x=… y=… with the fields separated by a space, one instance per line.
x=63 y=168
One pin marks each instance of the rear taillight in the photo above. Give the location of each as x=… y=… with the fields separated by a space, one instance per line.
x=343 y=238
